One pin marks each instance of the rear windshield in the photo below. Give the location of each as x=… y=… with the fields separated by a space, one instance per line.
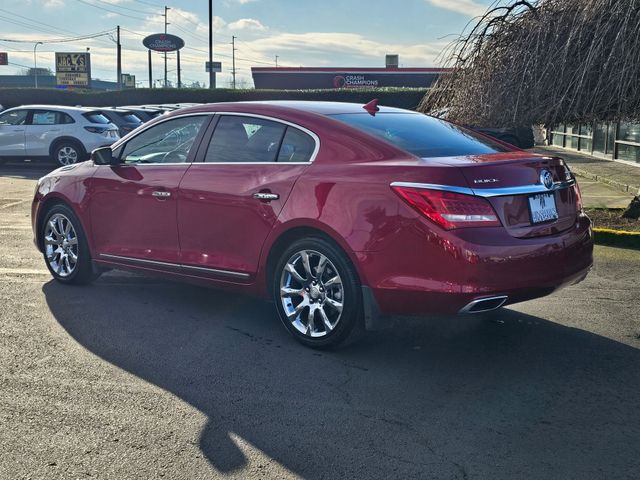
x=421 y=135
x=130 y=117
x=96 y=117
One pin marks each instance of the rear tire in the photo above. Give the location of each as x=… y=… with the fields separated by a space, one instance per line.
x=66 y=253
x=67 y=152
x=317 y=294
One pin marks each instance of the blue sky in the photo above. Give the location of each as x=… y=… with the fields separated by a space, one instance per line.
x=301 y=33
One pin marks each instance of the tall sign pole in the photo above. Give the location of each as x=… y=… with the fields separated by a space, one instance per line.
x=212 y=75
x=119 y=58
x=233 y=56
x=35 y=63
x=179 y=79
x=165 y=53
x=150 y=73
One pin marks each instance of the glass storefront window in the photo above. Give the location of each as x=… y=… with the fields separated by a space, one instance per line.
x=629 y=153
x=572 y=142
x=585 y=145
x=586 y=129
x=572 y=129
x=558 y=139
x=600 y=138
x=629 y=132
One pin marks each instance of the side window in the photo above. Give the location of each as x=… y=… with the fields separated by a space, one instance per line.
x=167 y=142
x=241 y=139
x=15 y=117
x=44 y=117
x=65 y=118
x=297 y=146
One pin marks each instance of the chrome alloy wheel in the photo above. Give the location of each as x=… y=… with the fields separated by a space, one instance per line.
x=61 y=245
x=311 y=293
x=67 y=155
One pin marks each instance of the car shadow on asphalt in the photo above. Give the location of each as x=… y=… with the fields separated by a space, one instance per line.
x=509 y=396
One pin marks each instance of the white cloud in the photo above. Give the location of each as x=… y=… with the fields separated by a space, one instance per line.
x=465 y=7
x=319 y=47
x=247 y=24
x=241 y=2
x=53 y=3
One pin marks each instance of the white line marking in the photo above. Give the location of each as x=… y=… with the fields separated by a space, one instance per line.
x=9 y=205
x=23 y=271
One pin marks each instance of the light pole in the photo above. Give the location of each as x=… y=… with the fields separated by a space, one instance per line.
x=35 y=63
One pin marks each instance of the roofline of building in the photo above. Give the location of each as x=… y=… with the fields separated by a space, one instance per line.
x=348 y=70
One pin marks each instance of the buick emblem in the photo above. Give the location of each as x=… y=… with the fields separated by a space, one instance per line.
x=546 y=179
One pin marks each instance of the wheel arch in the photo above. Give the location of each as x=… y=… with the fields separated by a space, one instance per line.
x=46 y=205
x=67 y=138
x=293 y=231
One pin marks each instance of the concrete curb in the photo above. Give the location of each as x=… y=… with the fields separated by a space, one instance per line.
x=622 y=187
x=616 y=238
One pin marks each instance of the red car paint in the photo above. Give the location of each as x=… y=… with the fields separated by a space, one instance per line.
x=212 y=222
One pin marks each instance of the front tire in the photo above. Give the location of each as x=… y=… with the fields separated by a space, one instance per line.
x=66 y=252
x=317 y=294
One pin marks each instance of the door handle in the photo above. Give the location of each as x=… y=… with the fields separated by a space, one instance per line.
x=161 y=195
x=266 y=196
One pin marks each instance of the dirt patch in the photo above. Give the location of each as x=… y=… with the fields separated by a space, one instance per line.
x=612 y=218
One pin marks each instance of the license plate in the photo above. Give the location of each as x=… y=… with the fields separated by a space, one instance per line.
x=542 y=208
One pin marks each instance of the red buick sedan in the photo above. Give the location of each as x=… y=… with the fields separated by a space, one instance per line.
x=342 y=214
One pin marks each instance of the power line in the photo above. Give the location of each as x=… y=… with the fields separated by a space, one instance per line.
x=146 y=12
x=60 y=40
x=111 y=11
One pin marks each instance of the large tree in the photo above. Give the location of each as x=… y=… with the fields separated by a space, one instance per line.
x=544 y=62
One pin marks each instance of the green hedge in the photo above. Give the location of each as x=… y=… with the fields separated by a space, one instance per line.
x=13 y=97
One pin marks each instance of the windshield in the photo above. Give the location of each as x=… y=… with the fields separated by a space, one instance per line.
x=422 y=135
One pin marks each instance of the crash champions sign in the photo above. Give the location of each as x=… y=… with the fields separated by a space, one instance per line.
x=73 y=69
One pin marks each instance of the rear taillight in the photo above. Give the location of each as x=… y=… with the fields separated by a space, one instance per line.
x=448 y=209
x=99 y=130
x=578 y=193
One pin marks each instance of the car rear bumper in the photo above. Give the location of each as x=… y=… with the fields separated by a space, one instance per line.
x=428 y=273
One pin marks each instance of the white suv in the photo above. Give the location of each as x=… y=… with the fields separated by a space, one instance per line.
x=64 y=134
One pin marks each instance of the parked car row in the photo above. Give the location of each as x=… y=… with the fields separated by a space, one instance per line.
x=67 y=135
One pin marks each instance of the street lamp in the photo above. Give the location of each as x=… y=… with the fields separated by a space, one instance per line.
x=35 y=63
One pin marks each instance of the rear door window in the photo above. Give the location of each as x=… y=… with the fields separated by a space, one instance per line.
x=297 y=146
x=45 y=117
x=244 y=139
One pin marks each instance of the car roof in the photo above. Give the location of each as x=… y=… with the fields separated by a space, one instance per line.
x=59 y=107
x=324 y=108
x=289 y=107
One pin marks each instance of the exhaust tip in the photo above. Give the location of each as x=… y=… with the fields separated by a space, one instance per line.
x=487 y=304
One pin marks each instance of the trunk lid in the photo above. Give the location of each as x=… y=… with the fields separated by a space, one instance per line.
x=508 y=180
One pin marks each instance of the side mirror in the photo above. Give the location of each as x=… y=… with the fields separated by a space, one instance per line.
x=103 y=156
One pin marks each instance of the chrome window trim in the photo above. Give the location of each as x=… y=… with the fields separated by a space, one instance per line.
x=144 y=261
x=143 y=128
x=489 y=192
x=315 y=138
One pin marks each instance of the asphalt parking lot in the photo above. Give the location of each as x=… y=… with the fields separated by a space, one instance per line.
x=136 y=377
